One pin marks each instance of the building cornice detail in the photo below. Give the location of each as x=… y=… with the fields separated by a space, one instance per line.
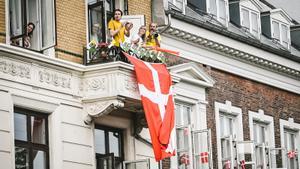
x=232 y=52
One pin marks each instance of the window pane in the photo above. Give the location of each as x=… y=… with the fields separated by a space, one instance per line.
x=20 y=126
x=47 y=20
x=99 y=141
x=213 y=7
x=179 y=4
x=114 y=144
x=186 y=115
x=182 y=139
x=16 y=27
x=38 y=130
x=96 y=28
x=246 y=19
x=254 y=21
x=275 y=30
x=222 y=11
x=21 y=158
x=178 y=115
x=39 y=159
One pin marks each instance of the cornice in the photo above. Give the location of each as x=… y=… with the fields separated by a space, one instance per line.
x=232 y=52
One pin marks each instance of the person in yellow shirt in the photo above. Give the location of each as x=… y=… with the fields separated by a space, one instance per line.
x=117 y=29
x=152 y=36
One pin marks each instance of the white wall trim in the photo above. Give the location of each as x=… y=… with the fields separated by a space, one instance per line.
x=268 y=120
x=290 y=124
x=7 y=21
x=232 y=110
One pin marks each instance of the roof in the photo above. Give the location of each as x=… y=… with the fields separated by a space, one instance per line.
x=206 y=21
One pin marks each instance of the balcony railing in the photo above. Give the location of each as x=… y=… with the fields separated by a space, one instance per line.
x=103 y=53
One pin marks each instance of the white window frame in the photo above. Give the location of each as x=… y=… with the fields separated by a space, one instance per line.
x=268 y=122
x=280 y=32
x=259 y=116
x=179 y=3
x=38 y=27
x=189 y=127
x=197 y=122
x=250 y=29
x=233 y=111
x=291 y=125
x=218 y=8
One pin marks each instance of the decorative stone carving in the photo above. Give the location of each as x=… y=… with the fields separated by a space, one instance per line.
x=15 y=69
x=96 y=84
x=103 y=107
x=131 y=84
x=55 y=78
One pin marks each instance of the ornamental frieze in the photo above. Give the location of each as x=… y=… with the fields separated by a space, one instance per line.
x=54 y=78
x=15 y=69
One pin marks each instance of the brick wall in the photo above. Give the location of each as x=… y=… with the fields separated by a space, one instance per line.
x=140 y=7
x=250 y=95
x=2 y=21
x=71 y=29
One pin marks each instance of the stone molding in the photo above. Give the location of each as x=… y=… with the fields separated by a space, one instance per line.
x=232 y=52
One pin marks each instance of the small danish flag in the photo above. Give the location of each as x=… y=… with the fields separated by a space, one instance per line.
x=243 y=164
x=204 y=157
x=292 y=154
x=227 y=164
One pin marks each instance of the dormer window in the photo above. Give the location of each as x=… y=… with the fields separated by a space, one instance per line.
x=246 y=14
x=217 y=8
x=276 y=26
x=250 y=20
x=280 y=32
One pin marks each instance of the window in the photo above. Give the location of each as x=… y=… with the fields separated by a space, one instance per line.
x=229 y=130
x=280 y=32
x=250 y=21
x=218 y=8
x=41 y=14
x=290 y=139
x=262 y=133
x=109 y=147
x=99 y=14
x=227 y=136
x=290 y=146
x=259 y=133
x=183 y=133
x=31 y=140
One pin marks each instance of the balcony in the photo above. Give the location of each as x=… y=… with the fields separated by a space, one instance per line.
x=102 y=53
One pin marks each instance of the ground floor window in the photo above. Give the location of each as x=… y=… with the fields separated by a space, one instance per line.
x=31 y=139
x=109 y=147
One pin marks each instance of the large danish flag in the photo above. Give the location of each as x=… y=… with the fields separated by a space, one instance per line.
x=155 y=86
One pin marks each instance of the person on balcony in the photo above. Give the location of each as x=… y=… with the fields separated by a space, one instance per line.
x=26 y=37
x=152 y=37
x=117 y=29
x=139 y=38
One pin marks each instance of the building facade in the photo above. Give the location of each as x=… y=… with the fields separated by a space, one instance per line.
x=236 y=86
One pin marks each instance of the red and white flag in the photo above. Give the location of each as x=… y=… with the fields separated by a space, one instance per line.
x=155 y=86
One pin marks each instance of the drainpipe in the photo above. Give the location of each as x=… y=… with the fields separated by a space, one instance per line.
x=167 y=26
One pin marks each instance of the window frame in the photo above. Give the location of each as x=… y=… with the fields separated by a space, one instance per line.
x=38 y=26
x=106 y=130
x=280 y=40
x=218 y=9
x=186 y=128
x=29 y=144
x=291 y=126
x=250 y=19
x=238 y=123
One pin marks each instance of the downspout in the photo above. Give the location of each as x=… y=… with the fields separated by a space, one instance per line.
x=167 y=26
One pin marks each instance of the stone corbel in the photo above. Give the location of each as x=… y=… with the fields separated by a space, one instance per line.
x=101 y=107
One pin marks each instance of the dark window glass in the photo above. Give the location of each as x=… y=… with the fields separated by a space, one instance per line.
x=31 y=140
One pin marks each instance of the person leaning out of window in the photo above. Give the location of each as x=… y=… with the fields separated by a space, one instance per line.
x=117 y=29
x=152 y=36
x=26 y=36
